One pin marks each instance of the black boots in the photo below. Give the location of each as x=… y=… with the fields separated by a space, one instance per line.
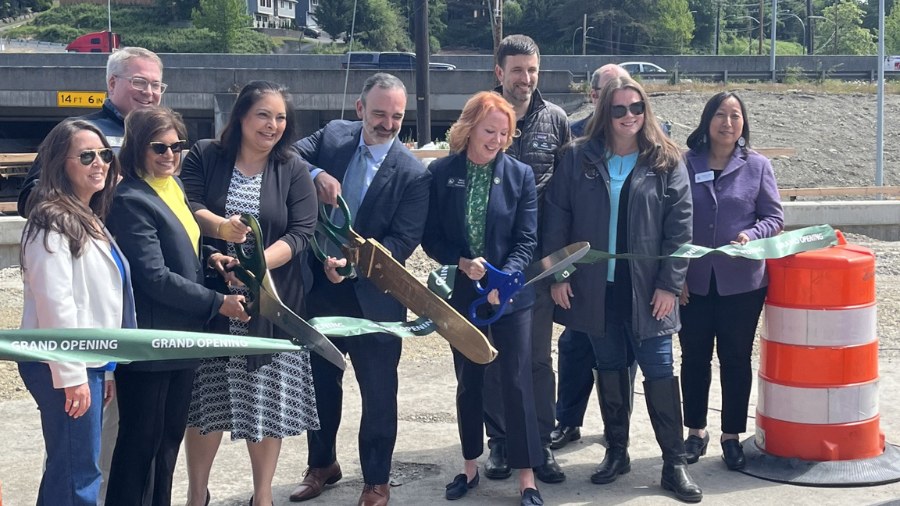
x=614 y=391
x=664 y=407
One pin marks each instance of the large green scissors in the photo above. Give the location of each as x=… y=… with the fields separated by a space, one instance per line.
x=254 y=273
x=369 y=259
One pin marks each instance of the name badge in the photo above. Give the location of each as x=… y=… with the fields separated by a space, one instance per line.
x=702 y=177
x=456 y=182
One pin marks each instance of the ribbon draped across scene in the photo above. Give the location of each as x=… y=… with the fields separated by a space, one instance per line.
x=131 y=345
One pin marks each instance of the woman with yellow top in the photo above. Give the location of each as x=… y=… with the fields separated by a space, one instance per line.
x=156 y=230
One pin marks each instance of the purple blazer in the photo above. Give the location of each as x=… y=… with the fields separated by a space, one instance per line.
x=743 y=199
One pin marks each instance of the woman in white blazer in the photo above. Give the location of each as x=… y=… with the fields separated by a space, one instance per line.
x=75 y=277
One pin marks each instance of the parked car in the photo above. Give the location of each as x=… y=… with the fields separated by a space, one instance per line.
x=311 y=31
x=642 y=68
x=388 y=61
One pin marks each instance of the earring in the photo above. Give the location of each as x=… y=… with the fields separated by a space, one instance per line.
x=741 y=142
x=703 y=139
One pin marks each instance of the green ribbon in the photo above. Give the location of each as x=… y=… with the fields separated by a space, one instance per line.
x=132 y=345
x=129 y=345
x=779 y=246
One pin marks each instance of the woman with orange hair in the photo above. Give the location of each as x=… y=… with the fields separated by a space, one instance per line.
x=483 y=209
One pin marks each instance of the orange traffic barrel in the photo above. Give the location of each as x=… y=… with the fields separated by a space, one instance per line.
x=818 y=372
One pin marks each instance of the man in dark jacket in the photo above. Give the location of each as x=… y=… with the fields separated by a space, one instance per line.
x=133 y=81
x=543 y=129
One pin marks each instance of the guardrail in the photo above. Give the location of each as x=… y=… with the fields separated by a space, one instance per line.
x=725 y=76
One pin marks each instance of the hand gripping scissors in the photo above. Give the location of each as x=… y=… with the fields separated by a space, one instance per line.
x=254 y=273
x=508 y=284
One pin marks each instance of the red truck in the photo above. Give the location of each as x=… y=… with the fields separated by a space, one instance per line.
x=96 y=42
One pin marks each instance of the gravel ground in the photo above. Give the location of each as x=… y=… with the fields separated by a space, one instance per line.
x=834 y=137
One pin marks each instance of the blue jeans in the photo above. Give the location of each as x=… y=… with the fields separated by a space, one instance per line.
x=72 y=476
x=618 y=348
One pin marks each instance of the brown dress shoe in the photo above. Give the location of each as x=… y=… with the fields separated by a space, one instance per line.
x=314 y=481
x=375 y=495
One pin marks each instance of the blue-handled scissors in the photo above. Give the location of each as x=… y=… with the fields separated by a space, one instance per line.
x=508 y=284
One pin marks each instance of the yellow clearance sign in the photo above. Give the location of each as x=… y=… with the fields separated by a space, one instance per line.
x=80 y=99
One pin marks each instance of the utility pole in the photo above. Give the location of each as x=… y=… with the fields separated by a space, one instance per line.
x=810 y=42
x=423 y=82
x=762 y=17
x=584 y=35
x=496 y=8
x=718 y=19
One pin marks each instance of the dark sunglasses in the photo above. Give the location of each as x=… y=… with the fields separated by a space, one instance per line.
x=160 y=148
x=619 y=111
x=87 y=157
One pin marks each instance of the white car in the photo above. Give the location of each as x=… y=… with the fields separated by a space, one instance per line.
x=642 y=68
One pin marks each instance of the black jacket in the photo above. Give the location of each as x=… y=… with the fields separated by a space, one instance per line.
x=166 y=272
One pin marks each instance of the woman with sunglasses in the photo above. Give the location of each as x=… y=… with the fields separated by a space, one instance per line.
x=735 y=201
x=261 y=399
x=624 y=188
x=75 y=277
x=155 y=228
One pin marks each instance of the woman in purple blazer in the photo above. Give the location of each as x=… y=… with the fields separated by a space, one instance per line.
x=735 y=201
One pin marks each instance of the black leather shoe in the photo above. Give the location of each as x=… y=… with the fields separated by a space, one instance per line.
x=531 y=497
x=733 y=454
x=460 y=486
x=549 y=471
x=497 y=467
x=562 y=435
x=615 y=463
x=675 y=477
x=695 y=447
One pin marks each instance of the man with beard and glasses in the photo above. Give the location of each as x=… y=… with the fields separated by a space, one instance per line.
x=386 y=189
x=543 y=130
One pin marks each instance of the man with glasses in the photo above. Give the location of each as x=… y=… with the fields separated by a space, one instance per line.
x=133 y=81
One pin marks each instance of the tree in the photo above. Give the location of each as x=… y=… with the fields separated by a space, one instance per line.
x=227 y=19
x=378 y=26
x=673 y=26
x=335 y=17
x=892 y=31
x=848 y=35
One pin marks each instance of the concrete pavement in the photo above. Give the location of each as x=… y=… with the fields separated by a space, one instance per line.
x=427 y=455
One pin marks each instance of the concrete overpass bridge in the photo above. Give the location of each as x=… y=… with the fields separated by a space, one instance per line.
x=203 y=88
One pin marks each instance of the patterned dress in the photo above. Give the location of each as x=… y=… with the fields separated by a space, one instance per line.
x=277 y=400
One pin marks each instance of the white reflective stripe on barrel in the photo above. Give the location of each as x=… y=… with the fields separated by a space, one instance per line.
x=807 y=327
x=818 y=405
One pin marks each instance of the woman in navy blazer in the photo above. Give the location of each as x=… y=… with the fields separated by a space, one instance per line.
x=735 y=201
x=155 y=228
x=483 y=209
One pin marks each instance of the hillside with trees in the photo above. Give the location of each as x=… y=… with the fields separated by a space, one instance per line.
x=730 y=27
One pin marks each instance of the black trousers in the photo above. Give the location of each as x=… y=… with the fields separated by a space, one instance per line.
x=375 y=358
x=543 y=377
x=153 y=411
x=510 y=336
x=728 y=322
x=576 y=377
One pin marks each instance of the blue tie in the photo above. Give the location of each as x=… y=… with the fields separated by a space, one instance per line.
x=354 y=183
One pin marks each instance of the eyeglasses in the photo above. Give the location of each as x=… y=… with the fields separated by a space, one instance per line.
x=619 y=111
x=141 y=84
x=87 y=157
x=160 y=148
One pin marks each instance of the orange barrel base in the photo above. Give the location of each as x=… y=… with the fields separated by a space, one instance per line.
x=850 y=441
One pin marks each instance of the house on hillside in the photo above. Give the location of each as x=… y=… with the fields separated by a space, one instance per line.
x=282 y=13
